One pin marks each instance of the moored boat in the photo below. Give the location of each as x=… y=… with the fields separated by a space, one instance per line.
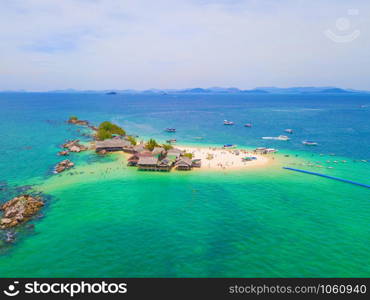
x=248 y=125
x=278 y=138
x=249 y=158
x=309 y=143
x=260 y=149
x=171 y=141
x=226 y=122
x=289 y=130
x=283 y=138
x=264 y=150
x=229 y=146
x=170 y=129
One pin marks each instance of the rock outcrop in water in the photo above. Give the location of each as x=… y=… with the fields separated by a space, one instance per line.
x=76 y=121
x=74 y=146
x=63 y=153
x=19 y=210
x=63 y=165
x=102 y=152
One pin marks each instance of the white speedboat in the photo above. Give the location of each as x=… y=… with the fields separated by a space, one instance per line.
x=309 y=143
x=278 y=138
x=289 y=130
x=271 y=150
x=226 y=122
x=283 y=138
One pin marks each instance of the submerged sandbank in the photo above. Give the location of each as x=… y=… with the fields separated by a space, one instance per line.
x=215 y=159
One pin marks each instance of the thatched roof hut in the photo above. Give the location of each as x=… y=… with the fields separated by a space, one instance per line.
x=148 y=163
x=133 y=160
x=184 y=163
x=164 y=165
x=112 y=145
x=147 y=160
x=176 y=150
x=139 y=147
x=174 y=153
x=158 y=150
x=145 y=153
x=196 y=163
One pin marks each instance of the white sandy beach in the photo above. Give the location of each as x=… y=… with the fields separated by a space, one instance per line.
x=220 y=158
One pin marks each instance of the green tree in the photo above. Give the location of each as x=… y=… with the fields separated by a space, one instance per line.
x=151 y=144
x=167 y=147
x=189 y=155
x=112 y=128
x=73 y=118
x=103 y=134
x=132 y=140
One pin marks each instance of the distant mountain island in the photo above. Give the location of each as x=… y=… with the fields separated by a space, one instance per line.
x=216 y=90
x=309 y=90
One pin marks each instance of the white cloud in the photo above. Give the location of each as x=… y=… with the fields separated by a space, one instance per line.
x=51 y=44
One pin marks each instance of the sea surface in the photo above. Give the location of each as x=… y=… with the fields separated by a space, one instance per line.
x=103 y=219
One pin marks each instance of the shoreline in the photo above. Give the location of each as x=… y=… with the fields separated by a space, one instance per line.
x=219 y=158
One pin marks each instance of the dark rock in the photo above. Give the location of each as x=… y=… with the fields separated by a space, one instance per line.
x=63 y=165
x=19 y=210
x=102 y=152
x=74 y=146
x=78 y=122
x=63 y=153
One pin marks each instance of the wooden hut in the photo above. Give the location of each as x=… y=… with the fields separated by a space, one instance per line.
x=196 y=163
x=147 y=163
x=133 y=160
x=112 y=145
x=145 y=153
x=174 y=154
x=175 y=151
x=171 y=159
x=139 y=147
x=164 y=165
x=158 y=151
x=184 y=163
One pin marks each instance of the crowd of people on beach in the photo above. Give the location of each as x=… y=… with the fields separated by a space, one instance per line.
x=219 y=157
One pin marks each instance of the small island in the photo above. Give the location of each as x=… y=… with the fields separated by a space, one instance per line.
x=75 y=120
x=151 y=155
x=146 y=156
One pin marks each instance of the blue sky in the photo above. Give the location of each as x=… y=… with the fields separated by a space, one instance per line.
x=105 y=44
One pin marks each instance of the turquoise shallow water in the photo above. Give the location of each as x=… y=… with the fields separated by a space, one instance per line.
x=114 y=221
